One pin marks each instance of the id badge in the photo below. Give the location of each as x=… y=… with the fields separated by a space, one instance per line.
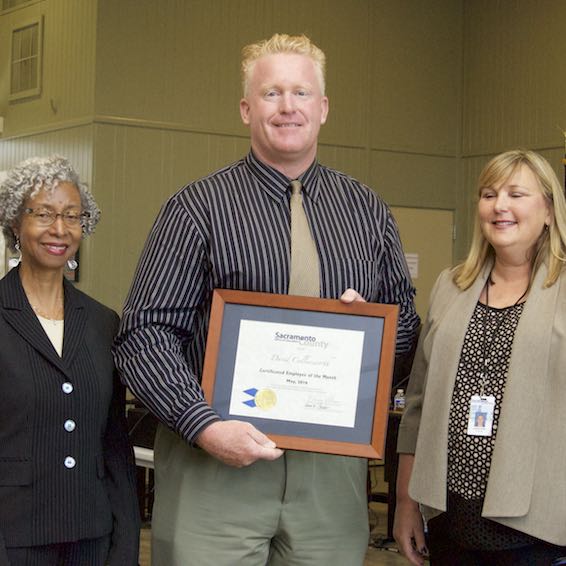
x=480 y=417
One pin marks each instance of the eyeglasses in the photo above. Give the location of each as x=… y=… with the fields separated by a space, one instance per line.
x=46 y=217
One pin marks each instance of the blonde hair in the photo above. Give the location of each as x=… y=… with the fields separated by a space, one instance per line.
x=551 y=245
x=282 y=43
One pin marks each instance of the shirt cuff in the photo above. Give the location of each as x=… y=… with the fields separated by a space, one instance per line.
x=195 y=420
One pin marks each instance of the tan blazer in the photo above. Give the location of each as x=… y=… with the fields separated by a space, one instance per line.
x=527 y=482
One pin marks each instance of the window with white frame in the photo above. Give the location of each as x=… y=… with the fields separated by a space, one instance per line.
x=26 y=61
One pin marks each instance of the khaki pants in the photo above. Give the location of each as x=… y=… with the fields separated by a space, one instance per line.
x=304 y=509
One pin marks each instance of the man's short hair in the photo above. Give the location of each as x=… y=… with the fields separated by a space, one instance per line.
x=282 y=43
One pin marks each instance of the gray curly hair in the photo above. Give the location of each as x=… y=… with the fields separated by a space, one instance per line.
x=27 y=178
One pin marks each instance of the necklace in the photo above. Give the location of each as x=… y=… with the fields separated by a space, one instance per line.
x=58 y=317
x=54 y=315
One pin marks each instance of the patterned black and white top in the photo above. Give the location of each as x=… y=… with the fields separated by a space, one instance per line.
x=231 y=230
x=489 y=336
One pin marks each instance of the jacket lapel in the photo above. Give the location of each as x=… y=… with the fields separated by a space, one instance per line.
x=17 y=312
x=75 y=321
x=522 y=403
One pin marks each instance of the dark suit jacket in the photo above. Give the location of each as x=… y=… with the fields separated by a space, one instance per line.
x=45 y=499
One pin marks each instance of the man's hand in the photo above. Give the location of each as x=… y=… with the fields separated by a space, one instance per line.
x=351 y=296
x=237 y=443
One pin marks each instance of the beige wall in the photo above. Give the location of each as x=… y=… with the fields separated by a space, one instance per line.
x=514 y=88
x=146 y=95
x=515 y=80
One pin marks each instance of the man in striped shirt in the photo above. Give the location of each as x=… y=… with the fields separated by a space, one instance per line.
x=225 y=494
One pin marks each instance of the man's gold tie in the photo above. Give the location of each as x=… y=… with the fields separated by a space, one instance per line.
x=305 y=266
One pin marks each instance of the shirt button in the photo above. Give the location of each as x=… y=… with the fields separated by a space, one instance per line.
x=70 y=462
x=67 y=387
x=70 y=425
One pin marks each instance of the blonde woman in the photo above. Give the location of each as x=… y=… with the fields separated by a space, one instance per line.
x=494 y=343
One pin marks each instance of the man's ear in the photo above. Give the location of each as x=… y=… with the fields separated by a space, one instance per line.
x=245 y=111
x=324 y=113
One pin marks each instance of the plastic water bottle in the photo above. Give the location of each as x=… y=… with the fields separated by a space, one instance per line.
x=399 y=400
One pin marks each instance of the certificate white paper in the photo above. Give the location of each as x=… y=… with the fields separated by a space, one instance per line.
x=297 y=373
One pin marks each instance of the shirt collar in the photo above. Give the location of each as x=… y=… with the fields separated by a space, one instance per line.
x=276 y=184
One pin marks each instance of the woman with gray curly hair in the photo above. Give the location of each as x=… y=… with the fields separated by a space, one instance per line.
x=25 y=181
x=67 y=478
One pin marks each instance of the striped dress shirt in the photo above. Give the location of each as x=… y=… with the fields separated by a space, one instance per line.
x=231 y=230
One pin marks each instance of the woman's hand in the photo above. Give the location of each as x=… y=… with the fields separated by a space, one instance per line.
x=408 y=531
x=408 y=528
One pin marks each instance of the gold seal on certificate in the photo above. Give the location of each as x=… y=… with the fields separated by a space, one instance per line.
x=265 y=399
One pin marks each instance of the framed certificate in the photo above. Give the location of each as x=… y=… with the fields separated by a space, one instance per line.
x=313 y=374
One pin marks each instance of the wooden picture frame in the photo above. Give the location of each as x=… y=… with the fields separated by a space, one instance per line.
x=260 y=351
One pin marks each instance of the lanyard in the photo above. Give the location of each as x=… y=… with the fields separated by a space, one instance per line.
x=486 y=350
